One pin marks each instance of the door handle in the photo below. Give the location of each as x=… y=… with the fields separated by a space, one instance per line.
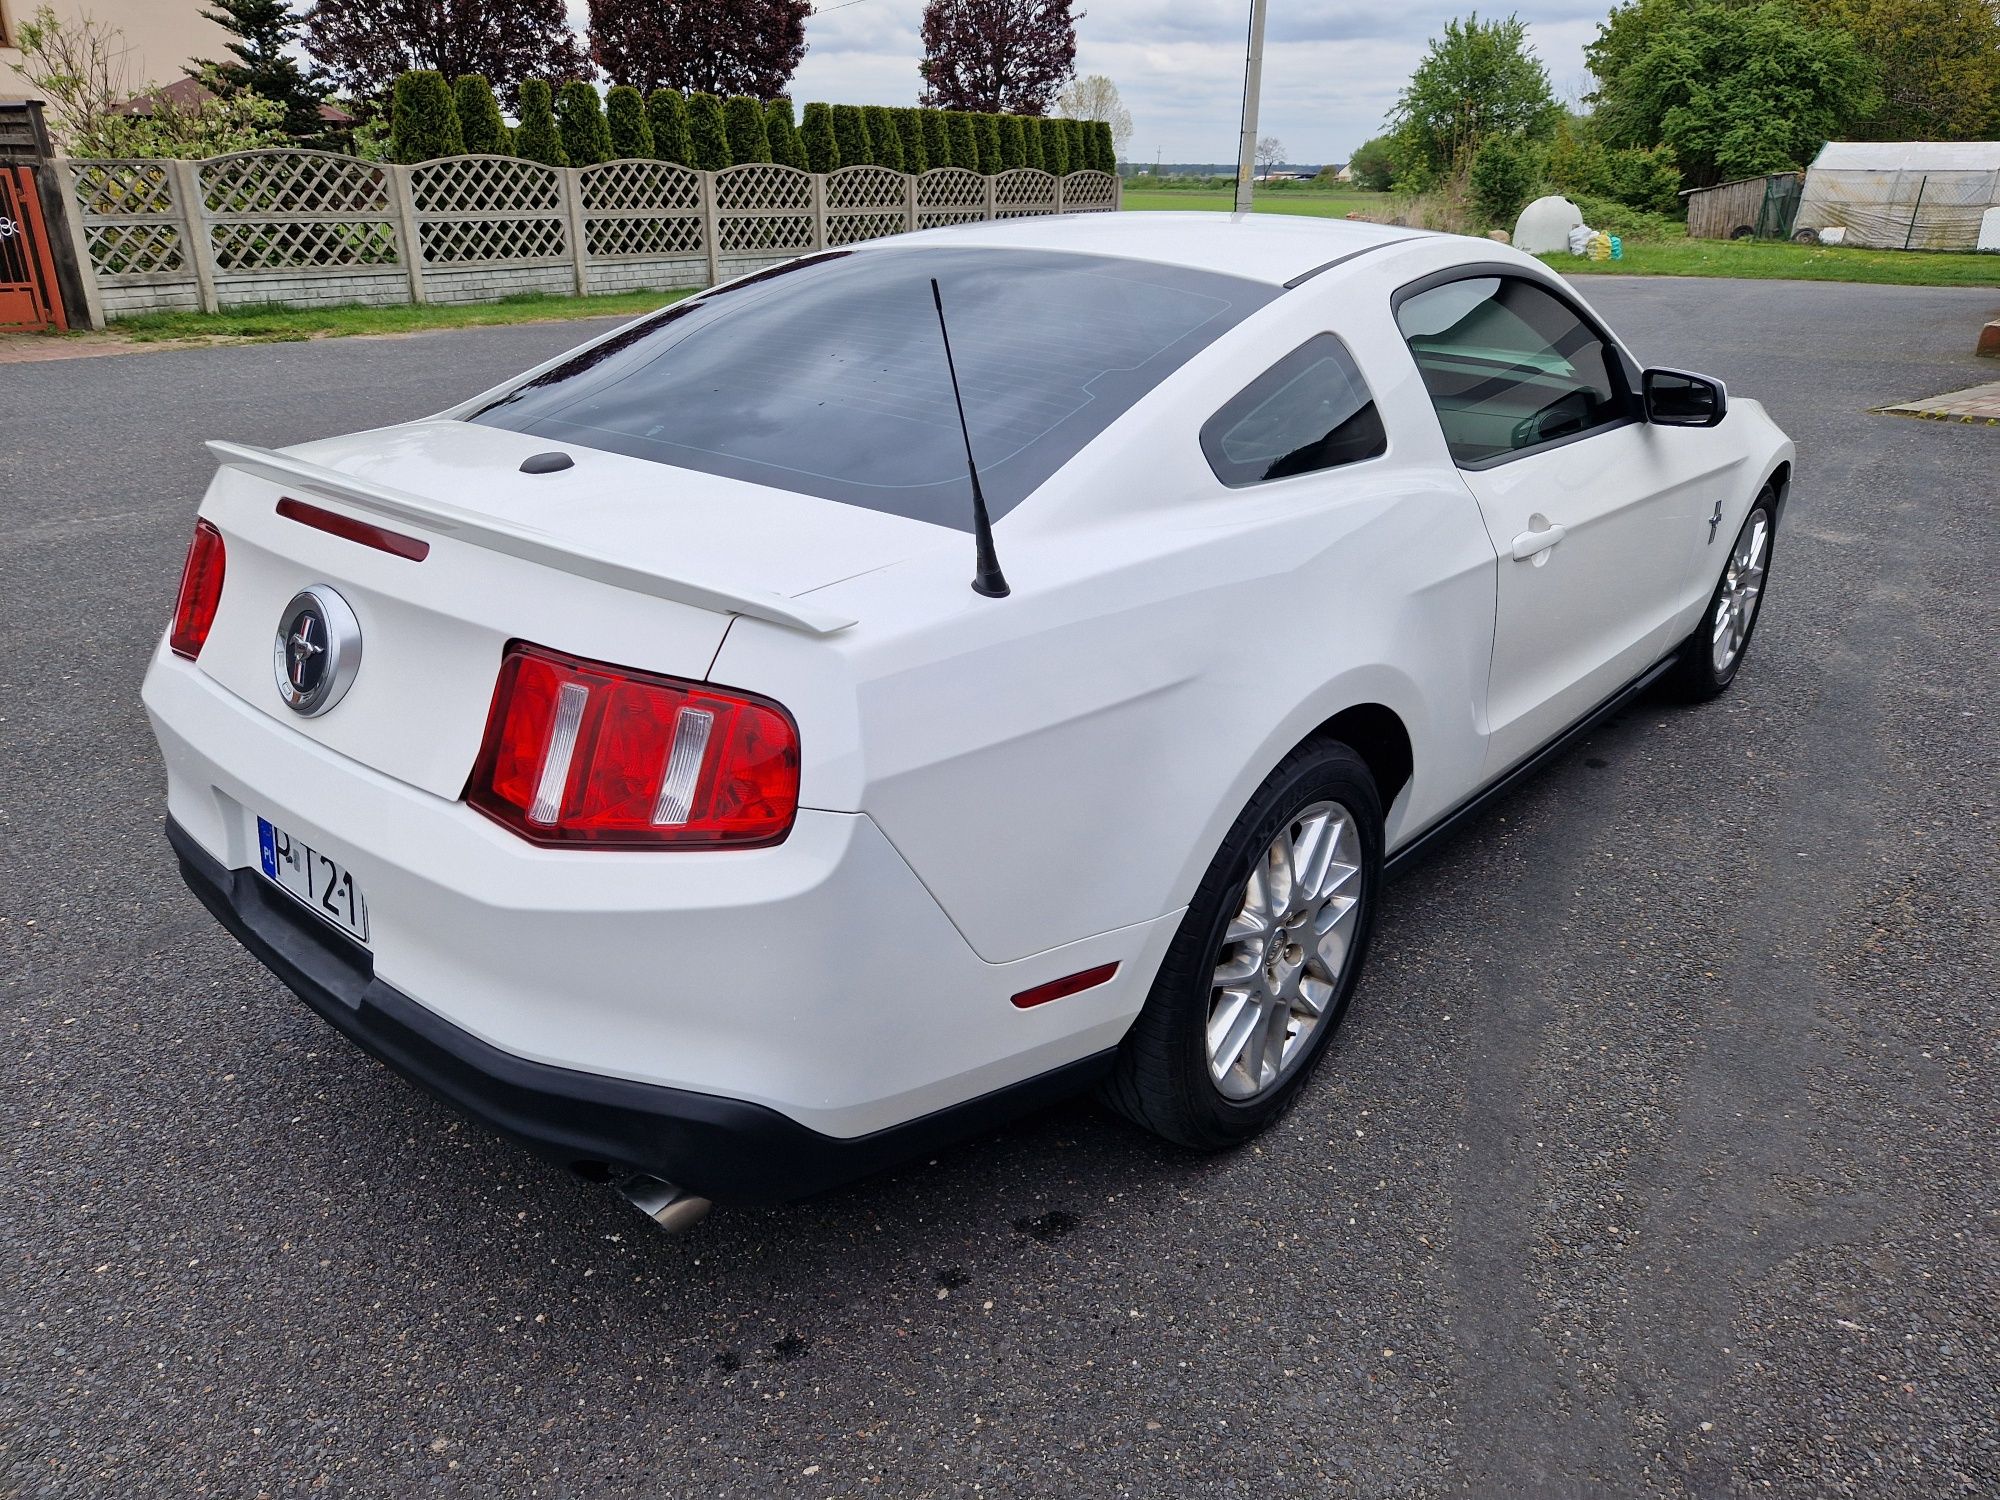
x=1532 y=544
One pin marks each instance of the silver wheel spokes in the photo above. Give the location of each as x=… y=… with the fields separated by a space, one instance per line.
x=1285 y=950
x=1742 y=589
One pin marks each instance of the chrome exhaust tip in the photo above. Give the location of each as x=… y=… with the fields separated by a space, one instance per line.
x=674 y=1209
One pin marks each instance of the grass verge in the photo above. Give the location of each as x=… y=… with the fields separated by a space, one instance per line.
x=1768 y=260
x=1758 y=260
x=276 y=324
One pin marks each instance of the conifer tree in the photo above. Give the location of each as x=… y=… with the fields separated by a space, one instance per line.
x=744 y=119
x=586 y=136
x=822 y=145
x=1013 y=143
x=480 y=126
x=937 y=137
x=884 y=141
x=910 y=135
x=631 y=132
x=1031 y=143
x=708 y=134
x=964 y=143
x=666 y=113
x=536 y=137
x=1055 y=146
x=423 y=121
x=850 y=132
x=786 y=146
x=987 y=128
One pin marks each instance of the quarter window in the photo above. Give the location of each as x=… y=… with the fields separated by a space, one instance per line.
x=1309 y=411
x=1510 y=366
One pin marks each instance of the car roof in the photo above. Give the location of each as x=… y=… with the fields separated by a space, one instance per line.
x=1276 y=248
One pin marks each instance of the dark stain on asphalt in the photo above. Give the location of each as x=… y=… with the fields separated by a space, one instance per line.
x=792 y=1346
x=1054 y=1225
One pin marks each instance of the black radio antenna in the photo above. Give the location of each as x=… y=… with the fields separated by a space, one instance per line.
x=987 y=578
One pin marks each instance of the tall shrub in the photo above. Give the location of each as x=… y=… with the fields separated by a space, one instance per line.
x=822 y=146
x=786 y=147
x=850 y=133
x=1504 y=172
x=1079 y=145
x=744 y=119
x=536 y=137
x=986 y=135
x=1013 y=143
x=708 y=134
x=1055 y=145
x=937 y=137
x=964 y=142
x=883 y=138
x=586 y=135
x=423 y=122
x=910 y=136
x=1105 y=158
x=666 y=113
x=479 y=123
x=631 y=132
x=1031 y=143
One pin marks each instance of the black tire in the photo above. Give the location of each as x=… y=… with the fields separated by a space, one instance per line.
x=1161 y=1079
x=1695 y=676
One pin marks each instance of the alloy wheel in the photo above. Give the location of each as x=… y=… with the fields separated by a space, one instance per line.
x=1742 y=591
x=1285 y=951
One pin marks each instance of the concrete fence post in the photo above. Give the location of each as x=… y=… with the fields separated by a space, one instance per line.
x=579 y=251
x=909 y=203
x=817 y=193
x=195 y=243
x=992 y=199
x=79 y=238
x=409 y=241
x=711 y=227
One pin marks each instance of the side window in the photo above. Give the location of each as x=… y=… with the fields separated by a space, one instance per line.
x=1309 y=411
x=1509 y=366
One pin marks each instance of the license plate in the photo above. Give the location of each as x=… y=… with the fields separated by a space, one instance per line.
x=308 y=876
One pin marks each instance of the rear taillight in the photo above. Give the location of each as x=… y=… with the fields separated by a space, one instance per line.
x=201 y=591
x=581 y=753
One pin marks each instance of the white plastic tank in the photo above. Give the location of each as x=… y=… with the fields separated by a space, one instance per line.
x=1544 y=226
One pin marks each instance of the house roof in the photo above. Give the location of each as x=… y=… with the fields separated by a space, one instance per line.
x=1908 y=156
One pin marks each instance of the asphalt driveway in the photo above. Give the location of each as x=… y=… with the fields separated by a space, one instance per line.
x=1657 y=1158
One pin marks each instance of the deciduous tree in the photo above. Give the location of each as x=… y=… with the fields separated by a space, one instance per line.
x=995 y=55
x=1734 y=90
x=1095 y=97
x=722 y=47
x=1373 y=165
x=1270 y=152
x=367 y=44
x=1939 y=63
x=1478 y=79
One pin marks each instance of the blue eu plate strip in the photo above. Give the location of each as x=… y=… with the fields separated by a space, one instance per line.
x=267 y=848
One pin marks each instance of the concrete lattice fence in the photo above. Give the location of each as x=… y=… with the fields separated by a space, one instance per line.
x=309 y=227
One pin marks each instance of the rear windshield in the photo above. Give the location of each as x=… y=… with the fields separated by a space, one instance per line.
x=828 y=376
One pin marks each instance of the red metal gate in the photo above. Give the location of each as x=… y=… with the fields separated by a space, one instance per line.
x=28 y=295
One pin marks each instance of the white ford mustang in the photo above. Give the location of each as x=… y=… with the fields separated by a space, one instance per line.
x=711 y=761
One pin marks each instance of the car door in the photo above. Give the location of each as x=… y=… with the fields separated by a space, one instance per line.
x=1537 y=408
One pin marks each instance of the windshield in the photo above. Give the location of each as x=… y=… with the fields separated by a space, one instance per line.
x=828 y=376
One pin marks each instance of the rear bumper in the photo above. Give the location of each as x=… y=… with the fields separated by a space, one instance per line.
x=724 y=1149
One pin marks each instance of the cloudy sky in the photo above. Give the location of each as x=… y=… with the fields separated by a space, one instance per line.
x=1331 y=67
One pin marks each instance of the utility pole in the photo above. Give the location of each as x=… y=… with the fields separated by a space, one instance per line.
x=1253 y=77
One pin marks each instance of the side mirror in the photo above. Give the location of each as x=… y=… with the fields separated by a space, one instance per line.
x=1676 y=398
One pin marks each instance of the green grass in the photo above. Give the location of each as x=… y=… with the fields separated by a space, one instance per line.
x=274 y=324
x=1772 y=260
x=1763 y=260
x=1323 y=203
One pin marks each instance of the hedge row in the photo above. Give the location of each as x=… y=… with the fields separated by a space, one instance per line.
x=573 y=127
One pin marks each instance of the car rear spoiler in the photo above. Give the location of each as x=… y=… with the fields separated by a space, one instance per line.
x=525 y=542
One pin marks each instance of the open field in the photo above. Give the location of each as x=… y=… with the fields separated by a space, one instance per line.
x=1318 y=202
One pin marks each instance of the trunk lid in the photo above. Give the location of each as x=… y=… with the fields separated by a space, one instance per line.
x=615 y=558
